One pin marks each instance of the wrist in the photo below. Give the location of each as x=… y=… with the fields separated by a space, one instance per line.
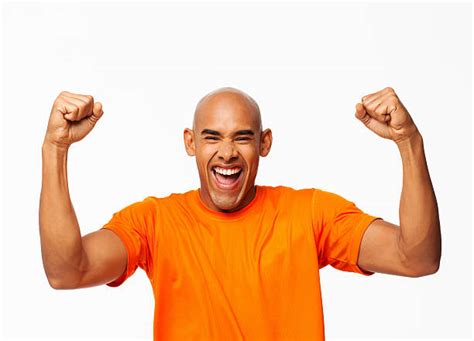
x=412 y=141
x=53 y=147
x=411 y=147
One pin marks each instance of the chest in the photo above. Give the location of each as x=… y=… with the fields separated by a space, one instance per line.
x=245 y=251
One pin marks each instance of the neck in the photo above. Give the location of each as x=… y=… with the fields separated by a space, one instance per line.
x=246 y=200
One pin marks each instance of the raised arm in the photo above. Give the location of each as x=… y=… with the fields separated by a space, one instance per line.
x=412 y=249
x=71 y=261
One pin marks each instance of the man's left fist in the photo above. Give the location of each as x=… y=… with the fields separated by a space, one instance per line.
x=384 y=114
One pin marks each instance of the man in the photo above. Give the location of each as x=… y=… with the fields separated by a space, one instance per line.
x=232 y=260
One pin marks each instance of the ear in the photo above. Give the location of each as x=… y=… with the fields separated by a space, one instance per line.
x=265 y=142
x=189 y=142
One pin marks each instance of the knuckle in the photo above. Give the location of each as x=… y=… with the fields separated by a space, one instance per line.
x=393 y=99
x=60 y=98
x=75 y=109
x=58 y=102
x=380 y=109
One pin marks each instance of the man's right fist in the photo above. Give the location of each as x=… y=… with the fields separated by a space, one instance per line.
x=72 y=117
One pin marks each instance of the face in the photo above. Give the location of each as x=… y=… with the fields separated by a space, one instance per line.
x=227 y=142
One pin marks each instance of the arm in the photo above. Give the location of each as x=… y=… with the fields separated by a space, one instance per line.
x=414 y=248
x=420 y=233
x=71 y=261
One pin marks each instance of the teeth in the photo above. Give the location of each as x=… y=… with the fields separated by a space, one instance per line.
x=224 y=171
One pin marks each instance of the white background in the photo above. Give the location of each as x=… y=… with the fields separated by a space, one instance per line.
x=307 y=65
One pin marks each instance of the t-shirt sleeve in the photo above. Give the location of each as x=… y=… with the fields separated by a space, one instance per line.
x=338 y=226
x=134 y=225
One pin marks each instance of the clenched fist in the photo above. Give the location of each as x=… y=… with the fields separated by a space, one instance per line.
x=384 y=114
x=72 y=117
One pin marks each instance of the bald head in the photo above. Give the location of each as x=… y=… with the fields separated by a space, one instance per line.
x=227 y=133
x=224 y=98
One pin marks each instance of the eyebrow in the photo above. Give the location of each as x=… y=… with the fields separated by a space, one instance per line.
x=238 y=132
x=210 y=132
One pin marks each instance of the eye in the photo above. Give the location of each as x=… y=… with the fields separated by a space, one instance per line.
x=242 y=139
x=211 y=138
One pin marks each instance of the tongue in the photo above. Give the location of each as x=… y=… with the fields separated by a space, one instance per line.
x=227 y=179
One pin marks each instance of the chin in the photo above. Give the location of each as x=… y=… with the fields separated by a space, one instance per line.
x=225 y=203
x=227 y=185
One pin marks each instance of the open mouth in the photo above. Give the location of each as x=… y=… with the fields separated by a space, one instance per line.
x=227 y=178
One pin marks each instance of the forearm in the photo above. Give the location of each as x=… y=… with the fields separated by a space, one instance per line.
x=420 y=236
x=61 y=242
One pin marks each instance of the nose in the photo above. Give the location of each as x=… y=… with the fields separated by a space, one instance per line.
x=227 y=151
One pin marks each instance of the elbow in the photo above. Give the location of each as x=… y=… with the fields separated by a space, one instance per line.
x=432 y=269
x=61 y=283
x=430 y=266
x=63 y=277
x=424 y=270
x=58 y=284
x=419 y=262
x=421 y=266
x=55 y=283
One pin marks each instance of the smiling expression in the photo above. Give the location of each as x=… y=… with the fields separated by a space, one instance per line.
x=227 y=141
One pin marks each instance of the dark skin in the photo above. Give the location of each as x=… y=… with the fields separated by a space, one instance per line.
x=227 y=131
x=227 y=134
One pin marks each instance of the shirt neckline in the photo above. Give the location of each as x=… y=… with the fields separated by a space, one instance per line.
x=252 y=205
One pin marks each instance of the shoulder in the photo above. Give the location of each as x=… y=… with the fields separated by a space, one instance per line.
x=153 y=207
x=288 y=195
x=286 y=190
x=312 y=195
x=329 y=198
x=170 y=200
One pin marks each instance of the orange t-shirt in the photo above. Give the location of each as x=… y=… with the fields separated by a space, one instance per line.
x=247 y=275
